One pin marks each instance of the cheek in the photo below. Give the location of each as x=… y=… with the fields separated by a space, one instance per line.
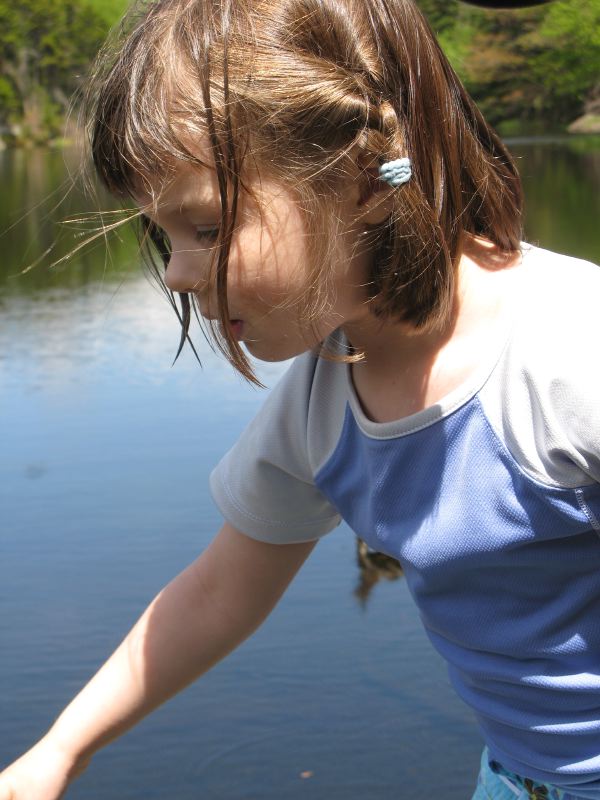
x=269 y=263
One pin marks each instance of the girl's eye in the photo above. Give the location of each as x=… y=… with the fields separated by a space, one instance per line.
x=206 y=234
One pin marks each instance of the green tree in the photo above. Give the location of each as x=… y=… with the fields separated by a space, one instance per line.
x=441 y=14
x=45 y=48
x=538 y=64
x=497 y=62
x=568 y=63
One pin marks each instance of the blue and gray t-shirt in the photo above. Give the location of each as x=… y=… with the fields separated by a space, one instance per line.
x=491 y=501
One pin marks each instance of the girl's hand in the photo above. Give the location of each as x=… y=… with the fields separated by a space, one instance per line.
x=42 y=773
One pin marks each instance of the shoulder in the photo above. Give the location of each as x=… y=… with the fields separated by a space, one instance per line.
x=556 y=320
x=558 y=291
x=543 y=396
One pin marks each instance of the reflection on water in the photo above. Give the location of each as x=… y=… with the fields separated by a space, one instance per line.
x=373 y=567
x=106 y=451
x=561 y=180
x=41 y=188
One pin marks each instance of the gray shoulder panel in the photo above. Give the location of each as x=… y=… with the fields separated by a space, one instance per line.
x=543 y=399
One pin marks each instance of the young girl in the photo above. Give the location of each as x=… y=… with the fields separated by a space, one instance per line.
x=320 y=186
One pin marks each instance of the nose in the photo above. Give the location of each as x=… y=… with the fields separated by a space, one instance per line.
x=183 y=275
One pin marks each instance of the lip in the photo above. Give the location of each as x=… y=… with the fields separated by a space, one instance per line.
x=236 y=325
x=237 y=328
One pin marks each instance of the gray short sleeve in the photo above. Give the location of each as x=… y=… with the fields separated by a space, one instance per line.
x=264 y=486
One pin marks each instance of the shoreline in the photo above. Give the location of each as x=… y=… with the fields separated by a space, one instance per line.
x=587 y=125
x=578 y=130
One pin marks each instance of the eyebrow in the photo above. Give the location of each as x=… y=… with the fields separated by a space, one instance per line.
x=189 y=204
x=186 y=206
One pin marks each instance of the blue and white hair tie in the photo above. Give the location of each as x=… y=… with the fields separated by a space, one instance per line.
x=396 y=172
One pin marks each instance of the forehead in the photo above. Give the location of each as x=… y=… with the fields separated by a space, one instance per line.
x=192 y=187
x=185 y=185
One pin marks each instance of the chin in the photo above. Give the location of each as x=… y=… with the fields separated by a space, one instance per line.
x=283 y=351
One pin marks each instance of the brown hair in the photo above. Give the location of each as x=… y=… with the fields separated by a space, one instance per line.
x=290 y=87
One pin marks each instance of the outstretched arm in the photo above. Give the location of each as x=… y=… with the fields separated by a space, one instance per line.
x=202 y=615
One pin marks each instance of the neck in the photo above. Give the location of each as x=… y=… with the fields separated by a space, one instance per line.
x=404 y=370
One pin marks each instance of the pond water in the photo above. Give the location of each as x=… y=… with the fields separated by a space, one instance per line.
x=105 y=453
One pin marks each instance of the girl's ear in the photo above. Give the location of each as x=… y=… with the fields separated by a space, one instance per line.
x=374 y=198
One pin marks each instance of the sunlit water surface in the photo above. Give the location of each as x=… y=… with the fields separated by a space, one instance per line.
x=105 y=453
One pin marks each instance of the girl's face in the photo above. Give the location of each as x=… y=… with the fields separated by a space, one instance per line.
x=269 y=264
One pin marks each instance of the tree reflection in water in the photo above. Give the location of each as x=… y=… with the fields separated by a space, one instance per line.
x=373 y=567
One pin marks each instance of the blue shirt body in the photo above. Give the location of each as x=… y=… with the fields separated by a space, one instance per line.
x=505 y=572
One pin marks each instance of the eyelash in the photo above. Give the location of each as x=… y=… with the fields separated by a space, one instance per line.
x=207 y=234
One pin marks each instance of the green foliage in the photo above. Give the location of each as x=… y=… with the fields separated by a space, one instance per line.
x=9 y=102
x=109 y=10
x=571 y=28
x=440 y=13
x=45 y=48
x=537 y=65
x=497 y=66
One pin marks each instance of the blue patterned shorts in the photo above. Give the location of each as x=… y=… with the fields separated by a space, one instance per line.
x=496 y=783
